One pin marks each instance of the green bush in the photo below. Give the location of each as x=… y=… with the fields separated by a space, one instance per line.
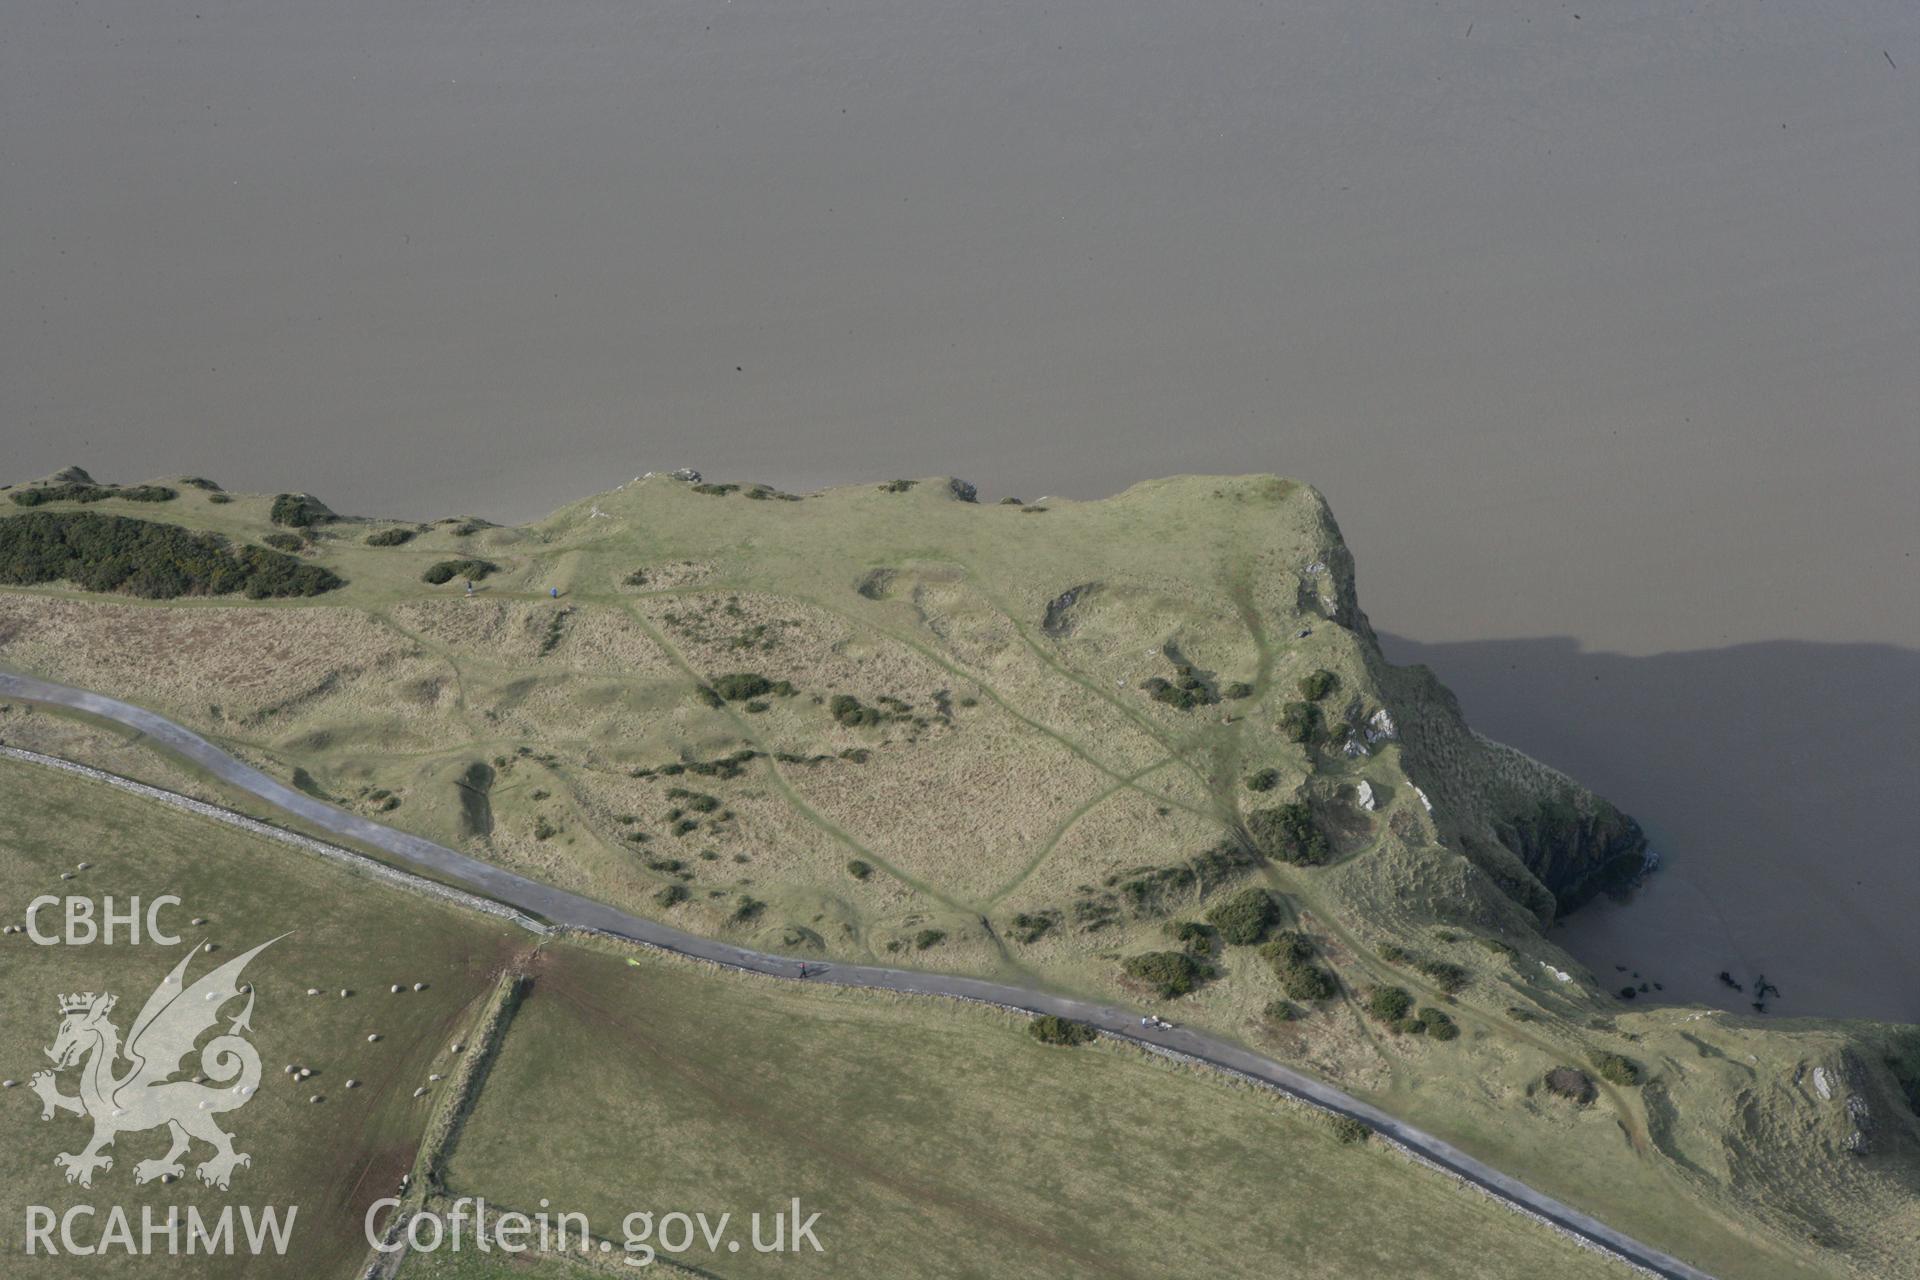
x=1349 y=1130
x=1048 y=1029
x=1280 y=1011
x=672 y=895
x=716 y=490
x=1450 y=978
x=1316 y=685
x=1617 y=1069
x=390 y=537
x=284 y=541
x=1394 y=953
x=147 y=559
x=544 y=830
x=1289 y=946
x=1308 y=982
x=1389 y=1004
x=742 y=685
x=1031 y=927
x=448 y=570
x=77 y=492
x=1169 y=973
x=220 y=497
x=1237 y=690
x=298 y=510
x=928 y=938
x=1243 y=919
x=747 y=908
x=1438 y=1025
x=1186 y=691
x=859 y=870
x=1196 y=937
x=898 y=486
x=1300 y=721
x=1288 y=833
x=1265 y=780
x=849 y=711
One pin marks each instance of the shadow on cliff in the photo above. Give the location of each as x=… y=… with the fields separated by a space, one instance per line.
x=1776 y=780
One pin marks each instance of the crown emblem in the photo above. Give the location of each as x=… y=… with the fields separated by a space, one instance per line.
x=81 y=1002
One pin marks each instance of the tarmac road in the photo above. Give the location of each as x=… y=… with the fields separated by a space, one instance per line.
x=562 y=908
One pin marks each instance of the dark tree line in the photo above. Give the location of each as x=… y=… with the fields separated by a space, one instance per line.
x=148 y=559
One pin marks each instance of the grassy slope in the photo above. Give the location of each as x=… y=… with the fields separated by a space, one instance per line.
x=467 y=1265
x=939 y=1140
x=1058 y=778
x=331 y=1159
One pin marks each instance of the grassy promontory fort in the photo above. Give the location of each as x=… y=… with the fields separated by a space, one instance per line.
x=1144 y=749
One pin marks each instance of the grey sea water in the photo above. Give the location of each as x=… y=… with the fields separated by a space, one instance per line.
x=1599 y=324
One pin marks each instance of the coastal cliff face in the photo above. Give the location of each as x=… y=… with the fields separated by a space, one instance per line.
x=1146 y=746
x=1576 y=850
x=1550 y=843
x=1161 y=601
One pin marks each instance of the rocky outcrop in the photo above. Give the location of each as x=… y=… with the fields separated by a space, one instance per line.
x=1577 y=845
x=1549 y=843
x=1058 y=621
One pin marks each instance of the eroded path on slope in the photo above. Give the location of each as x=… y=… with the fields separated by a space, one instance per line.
x=563 y=908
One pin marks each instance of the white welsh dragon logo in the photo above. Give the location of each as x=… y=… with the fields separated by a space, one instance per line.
x=145 y=1095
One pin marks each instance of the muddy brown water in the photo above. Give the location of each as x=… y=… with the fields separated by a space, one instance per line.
x=1597 y=323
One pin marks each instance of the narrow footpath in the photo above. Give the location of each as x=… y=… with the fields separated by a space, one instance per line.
x=559 y=907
